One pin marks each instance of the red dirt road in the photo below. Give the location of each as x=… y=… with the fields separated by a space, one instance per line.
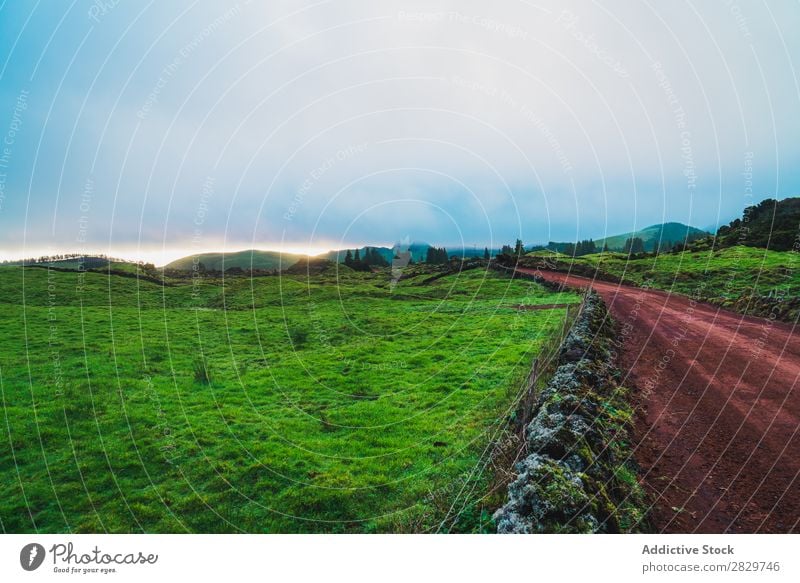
x=718 y=428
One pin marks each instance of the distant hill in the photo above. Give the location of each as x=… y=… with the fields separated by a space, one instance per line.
x=72 y=261
x=664 y=235
x=418 y=250
x=250 y=259
x=338 y=256
x=270 y=260
x=770 y=224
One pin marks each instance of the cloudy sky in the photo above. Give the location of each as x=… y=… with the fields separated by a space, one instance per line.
x=151 y=130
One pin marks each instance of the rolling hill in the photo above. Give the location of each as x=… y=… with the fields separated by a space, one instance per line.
x=249 y=259
x=654 y=235
x=418 y=250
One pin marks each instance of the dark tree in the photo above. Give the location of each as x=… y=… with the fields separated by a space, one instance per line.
x=585 y=247
x=374 y=257
x=633 y=245
x=436 y=256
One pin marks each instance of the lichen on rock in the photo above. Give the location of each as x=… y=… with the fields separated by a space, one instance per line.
x=576 y=476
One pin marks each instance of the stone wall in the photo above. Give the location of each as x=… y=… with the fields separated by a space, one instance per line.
x=578 y=476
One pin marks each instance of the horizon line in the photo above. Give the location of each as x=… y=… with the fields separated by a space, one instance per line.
x=165 y=255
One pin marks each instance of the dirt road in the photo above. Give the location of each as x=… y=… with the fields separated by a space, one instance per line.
x=718 y=428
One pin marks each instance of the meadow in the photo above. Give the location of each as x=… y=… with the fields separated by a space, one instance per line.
x=744 y=279
x=338 y=402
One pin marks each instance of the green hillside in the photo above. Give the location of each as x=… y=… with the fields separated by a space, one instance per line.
x=72 y=261
x=250 y=259
x=745 y=279
x=770 y=224
x=664 y=235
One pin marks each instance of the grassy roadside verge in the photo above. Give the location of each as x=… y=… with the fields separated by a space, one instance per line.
x=747 y=280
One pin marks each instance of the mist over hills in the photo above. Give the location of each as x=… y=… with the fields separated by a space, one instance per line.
x=662 y=236
x=769 y=224
x=655 y=236
x=418 y=251
x=652 y=236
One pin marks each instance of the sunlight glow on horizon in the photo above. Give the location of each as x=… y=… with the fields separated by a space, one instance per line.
x=339 y=124
x=163 y=256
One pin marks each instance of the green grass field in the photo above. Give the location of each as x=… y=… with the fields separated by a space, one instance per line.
x=277 y=404
x=730 y=277
x=731 y=273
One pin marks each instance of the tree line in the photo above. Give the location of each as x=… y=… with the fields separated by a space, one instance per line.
x=436 y=256
x=98 y=259
x=372 y=257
